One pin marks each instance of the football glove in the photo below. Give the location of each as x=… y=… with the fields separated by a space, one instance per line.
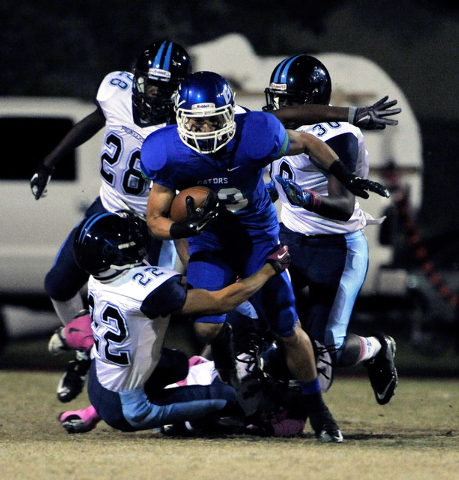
x=307 y=199
x=356 y=185
x=40 y=180
x=373 y=117
x=279 y=258
x=197 y=218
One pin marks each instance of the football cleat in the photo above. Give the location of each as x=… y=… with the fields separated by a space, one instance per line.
x=79 y=421
x=72 y=382
x=330 y=435
x=325 y=427
x=381 y=370
x=57 y=343
x=180 y=429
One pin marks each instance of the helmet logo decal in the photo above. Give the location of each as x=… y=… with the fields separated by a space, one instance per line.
x=203 y=106
x=154 y=73
x=226 y=93
x=278 y=86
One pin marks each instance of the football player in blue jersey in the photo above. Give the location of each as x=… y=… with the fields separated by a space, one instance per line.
x=212 y=146
x=323 y=224
x=130 y=107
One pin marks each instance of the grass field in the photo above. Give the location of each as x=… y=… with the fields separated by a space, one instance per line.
x=415 y=436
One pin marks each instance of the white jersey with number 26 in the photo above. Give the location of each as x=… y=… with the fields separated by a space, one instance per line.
x=122 y=183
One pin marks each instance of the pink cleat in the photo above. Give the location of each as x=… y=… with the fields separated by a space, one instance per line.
x=79 y=421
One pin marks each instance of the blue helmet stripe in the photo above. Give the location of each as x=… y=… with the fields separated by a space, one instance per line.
x=157 y=60
x=90 y=222
x=167 y=60
x=163 y=57
x=282 y=70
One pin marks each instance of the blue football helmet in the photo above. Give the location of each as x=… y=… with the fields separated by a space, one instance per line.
x=107 y=244
x=163 y=65
x=205 y=94
x=298 y=80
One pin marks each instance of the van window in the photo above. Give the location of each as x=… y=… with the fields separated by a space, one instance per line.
x=28 y=140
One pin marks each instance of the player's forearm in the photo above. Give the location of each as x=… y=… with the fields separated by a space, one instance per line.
x=159 y=226
x=222 y=301
x=235 y=294
x=311 y=114
x=78 y=135
x=320 y=151
x=335 y=208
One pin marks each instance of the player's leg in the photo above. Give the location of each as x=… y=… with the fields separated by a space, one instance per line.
x=335 y=270
x=209 y=270
x=339 y=270
x=63 y=284
x=276 y=302
x=135 y=410
x=377 y=353
x=300 y=360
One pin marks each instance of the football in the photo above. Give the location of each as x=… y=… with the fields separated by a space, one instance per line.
x=178 y=208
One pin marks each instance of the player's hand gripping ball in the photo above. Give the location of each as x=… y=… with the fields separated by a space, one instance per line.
x=200 y=195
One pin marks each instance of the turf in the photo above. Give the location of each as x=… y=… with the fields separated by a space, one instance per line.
x=415 y=436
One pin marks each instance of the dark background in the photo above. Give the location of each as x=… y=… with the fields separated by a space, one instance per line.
x=55 y=48
x=65 y=48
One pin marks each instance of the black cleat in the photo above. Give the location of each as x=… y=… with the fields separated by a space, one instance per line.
x=325 y=427
x=72 y=382
x=381 y=370
x=180 y=429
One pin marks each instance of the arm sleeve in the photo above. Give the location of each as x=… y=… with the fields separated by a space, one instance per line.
x=167 y=298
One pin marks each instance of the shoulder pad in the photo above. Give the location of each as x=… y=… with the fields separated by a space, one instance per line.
x=268 y=132
x=154 y=152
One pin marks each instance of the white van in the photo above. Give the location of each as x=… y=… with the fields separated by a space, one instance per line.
x=31 y=231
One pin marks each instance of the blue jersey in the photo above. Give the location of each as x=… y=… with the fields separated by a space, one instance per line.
x=234 y=173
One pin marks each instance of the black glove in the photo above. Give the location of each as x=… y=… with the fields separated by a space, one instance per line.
x=354 y=184
x=279 y=258
x=358 y=187
x=197 y=218
x=40 y=180
x=373 y=118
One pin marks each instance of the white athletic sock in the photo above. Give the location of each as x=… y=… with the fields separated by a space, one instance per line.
x=370 y=348
x=66 y=310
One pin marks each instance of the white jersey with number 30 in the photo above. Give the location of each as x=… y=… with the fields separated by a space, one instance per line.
x=311 y=176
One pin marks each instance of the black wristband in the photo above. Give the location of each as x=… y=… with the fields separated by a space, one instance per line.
x=181 y=230
x=339 y=170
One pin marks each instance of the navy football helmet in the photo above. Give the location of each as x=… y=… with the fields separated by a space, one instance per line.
x=107 y=244
x=162 y=65
x=205 y=94
x=298 y=80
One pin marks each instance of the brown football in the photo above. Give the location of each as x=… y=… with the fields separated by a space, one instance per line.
x=178 y=207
